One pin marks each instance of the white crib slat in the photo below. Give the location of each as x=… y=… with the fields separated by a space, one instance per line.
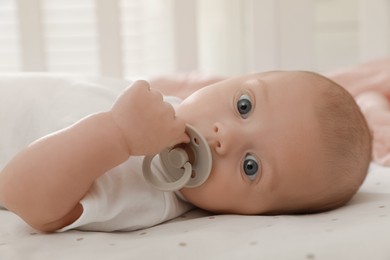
x=9 y=37
x=222 y=36
x=31 y=35
x=185 y=35
x=257 y=35
x=296 y=37
x=374 y=21
x=71 y=43
x=262 y=49
x=110 y=46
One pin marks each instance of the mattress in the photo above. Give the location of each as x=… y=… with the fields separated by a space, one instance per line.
x=359 y=230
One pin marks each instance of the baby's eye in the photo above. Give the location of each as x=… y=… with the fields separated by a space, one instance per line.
x=250 y=167
x=244 y=105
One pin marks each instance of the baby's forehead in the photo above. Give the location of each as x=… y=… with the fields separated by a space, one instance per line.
x=291 y=76
x=287 y=80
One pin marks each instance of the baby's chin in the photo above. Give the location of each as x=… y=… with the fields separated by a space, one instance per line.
x=238 y=211
x=215 y=207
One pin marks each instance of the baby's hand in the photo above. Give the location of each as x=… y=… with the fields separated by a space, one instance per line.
x=376 y=109
x=148 y=124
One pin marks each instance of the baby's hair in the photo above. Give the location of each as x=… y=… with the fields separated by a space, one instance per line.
x=346 y=144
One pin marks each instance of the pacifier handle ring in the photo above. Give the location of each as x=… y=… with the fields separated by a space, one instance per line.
x=165 y=186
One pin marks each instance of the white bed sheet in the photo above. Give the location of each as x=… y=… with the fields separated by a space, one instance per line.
x=360 y=230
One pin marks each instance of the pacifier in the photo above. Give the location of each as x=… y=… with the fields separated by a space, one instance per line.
x=189 y=165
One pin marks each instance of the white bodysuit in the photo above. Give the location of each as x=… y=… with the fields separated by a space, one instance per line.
x=34 y=105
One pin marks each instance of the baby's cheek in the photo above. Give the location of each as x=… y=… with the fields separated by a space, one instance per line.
x=206 y=196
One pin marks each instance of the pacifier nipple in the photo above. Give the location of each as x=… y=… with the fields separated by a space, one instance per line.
x=177 y=157
x=188 y=165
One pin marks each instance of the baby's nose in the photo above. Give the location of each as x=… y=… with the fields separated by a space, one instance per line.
x=224 y=136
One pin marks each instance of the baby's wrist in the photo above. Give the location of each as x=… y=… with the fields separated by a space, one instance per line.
x=118 y=133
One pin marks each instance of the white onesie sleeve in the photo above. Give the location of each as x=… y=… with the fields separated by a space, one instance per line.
x=122 y=200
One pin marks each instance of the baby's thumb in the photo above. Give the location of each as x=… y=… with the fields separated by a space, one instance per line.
x=181 y=131
x=140 y=84
x=185 y=138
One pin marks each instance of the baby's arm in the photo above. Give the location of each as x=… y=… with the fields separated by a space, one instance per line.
x=44 y=183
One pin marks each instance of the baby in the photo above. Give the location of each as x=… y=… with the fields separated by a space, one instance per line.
x=282 y=142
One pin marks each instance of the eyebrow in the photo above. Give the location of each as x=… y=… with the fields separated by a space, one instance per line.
x=271 y=173
x=264 y=88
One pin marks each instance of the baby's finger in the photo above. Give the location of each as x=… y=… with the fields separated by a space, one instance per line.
x=140 y=84
x=184 y=138
x=182 y=134
x=168 y=112
x=157 y=94
x=137 y=88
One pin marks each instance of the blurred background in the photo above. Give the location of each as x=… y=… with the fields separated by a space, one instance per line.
x=142 y=38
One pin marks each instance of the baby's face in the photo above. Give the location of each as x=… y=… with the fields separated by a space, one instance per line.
x=263 y=135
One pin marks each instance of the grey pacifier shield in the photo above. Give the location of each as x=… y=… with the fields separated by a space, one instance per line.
x=176 y=164
x=201 y=166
